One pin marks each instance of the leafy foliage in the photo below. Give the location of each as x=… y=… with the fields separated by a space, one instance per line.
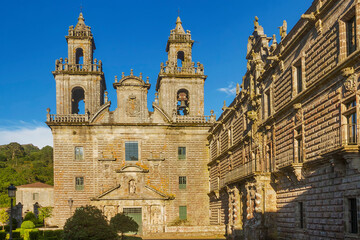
x=27 y=225
x=123 y=224
x=44 y=213
x=88 y=223
x=30 y=216
x=4 y=217
x=23 y=164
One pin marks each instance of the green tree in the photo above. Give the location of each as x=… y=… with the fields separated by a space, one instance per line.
x=4 y=217
x=123 y=224
x=88 y=223
x=44 y=213
x=30 y=216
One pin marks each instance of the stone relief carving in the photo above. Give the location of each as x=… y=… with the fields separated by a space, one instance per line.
x=132 y=106
x=132 y=186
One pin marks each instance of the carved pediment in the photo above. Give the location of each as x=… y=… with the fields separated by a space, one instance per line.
x=142 y=193
x=132 y=169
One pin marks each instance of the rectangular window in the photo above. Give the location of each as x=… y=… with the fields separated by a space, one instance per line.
x=131 y=151
x=79 y=153
x=181 y=153
x=301 y=214
x=182 y=182
x=182 y=212
x=351 y=35
x=79 y=183
x=36 y=196
x=299 y=145
x=299 y=79
x=353 y=221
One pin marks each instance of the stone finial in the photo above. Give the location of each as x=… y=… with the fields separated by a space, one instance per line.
x=147 y=79
x=116 y=79
x=179 y=29
x=237 y=89
x=212 y=112
x=81 y=23
x=48 y=110
x=274 y=39
x=66 y=60
x=131 y=72
x=283 y=30
x=95 y=61
x=122 y=75
x=224 y=107
x=140 y=76
x=106 y=97
x=256 y=23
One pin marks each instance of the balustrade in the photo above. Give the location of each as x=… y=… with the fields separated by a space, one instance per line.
x=199 y=70
x=73 y=118
x=64 y=66
x=341 y=136
x=193 y=119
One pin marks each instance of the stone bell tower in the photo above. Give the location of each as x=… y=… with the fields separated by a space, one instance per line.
x=79 y=77
x=180 y=83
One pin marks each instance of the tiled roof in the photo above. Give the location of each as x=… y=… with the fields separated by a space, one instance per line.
x=35 y=185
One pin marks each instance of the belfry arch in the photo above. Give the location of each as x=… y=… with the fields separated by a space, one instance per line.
x=77 y=99
x=183 y=102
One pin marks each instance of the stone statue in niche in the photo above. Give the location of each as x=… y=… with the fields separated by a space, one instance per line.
x=132 y=186
x=132 y=106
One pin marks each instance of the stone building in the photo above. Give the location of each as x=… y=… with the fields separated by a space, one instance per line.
x=284 y=155
x=149 y=165
x=30 y=197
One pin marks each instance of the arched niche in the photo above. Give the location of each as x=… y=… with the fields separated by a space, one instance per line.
x=183 y=102
x=77 y=100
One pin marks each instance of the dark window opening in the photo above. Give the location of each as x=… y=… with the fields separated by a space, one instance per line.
x=299 y=79
x=77 y=101
x=180 y=58
x=182 y=182
x=79 y=183
x=301 y=212
x=131 y=151
x=181 y=153
x=79 y=56
x=353 y=221
x=352 y=128
x=183 y=102
x=351 y=35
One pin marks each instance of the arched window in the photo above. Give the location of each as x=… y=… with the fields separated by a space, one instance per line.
x=183 y=102
x=77 y=101
x=180 y=58
x=79 y=56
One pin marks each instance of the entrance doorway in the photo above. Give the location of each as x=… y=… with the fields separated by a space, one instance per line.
x=135 y=213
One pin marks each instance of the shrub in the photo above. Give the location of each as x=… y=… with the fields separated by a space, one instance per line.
x=30 y=216
x=56 y=234
x=3 y=235
x=34 y=235
x=88 y=223
x=123 y=224
x=27 y=225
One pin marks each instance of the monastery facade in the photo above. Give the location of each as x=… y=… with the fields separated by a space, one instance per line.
x=284 y=155
x=149 y=165
x=281 y=162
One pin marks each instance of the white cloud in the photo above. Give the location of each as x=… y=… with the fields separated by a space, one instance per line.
x=39 y=136
x=229 y=90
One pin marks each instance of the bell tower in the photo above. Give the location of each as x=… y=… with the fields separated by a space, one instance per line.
x=80 y=81
x=180 y=84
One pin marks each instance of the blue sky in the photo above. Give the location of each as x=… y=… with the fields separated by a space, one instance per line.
x=128 y=34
